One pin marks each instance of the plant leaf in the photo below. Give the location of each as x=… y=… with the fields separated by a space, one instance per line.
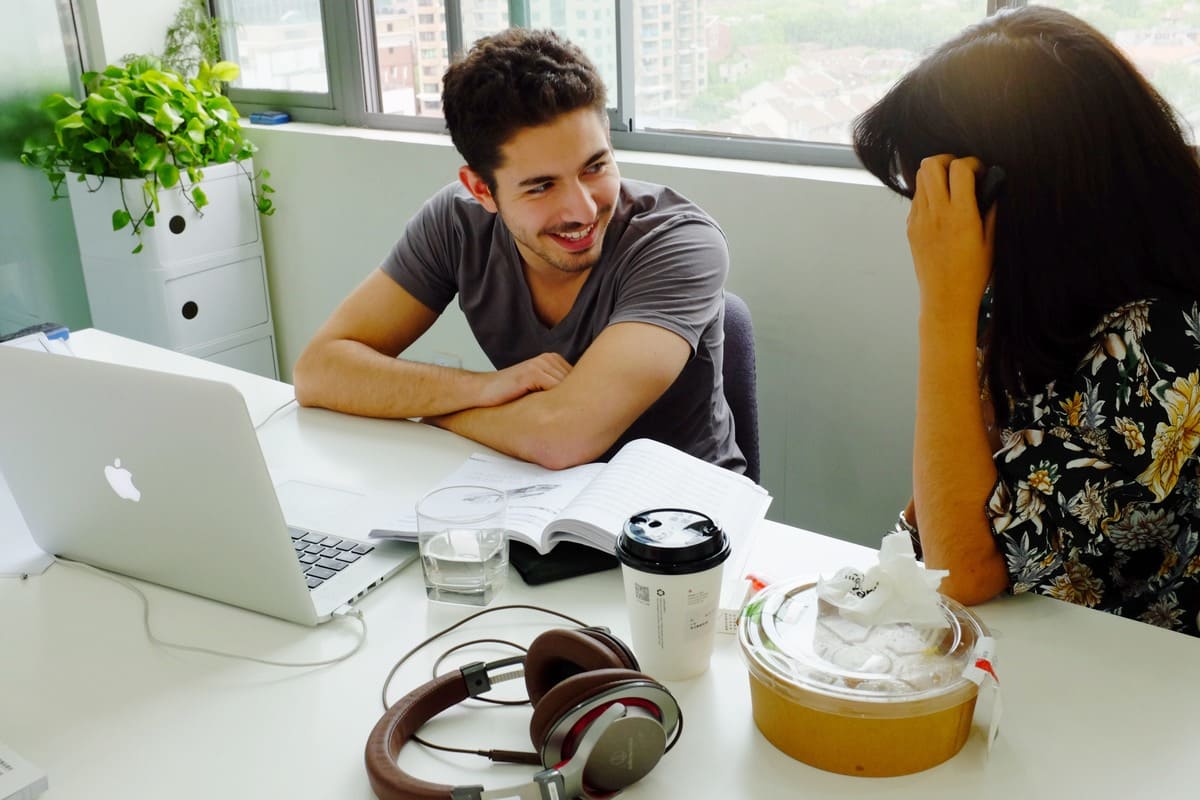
x=57 y=105
x=148 y=158
x=224 y=71
x=168 y=118
x=137 y=249
x=120 y=218
x=99 y=108
x=199 y=197
x=168 y=174
x=162 y=83
x=195 y=130
x=70 y=122
x=97 y=145
x=144 y=141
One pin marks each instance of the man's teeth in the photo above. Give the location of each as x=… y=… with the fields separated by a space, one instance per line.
x=576 y=236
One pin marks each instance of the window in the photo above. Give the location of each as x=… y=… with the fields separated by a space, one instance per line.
x=279 y=44
x=1161 y=38
x=771 y=79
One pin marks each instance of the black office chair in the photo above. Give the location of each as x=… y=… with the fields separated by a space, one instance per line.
x=741 y=380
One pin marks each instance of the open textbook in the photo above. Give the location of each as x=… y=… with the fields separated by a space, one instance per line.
x=589 y=504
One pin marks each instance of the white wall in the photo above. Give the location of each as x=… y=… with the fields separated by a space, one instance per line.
x=115 y=28
x=818 y=254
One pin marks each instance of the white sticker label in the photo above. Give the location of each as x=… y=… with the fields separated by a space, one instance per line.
x=982 y=673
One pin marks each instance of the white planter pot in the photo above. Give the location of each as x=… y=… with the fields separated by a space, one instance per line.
x=180 y=232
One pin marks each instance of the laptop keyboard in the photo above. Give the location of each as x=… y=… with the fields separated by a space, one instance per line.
x=322 y=557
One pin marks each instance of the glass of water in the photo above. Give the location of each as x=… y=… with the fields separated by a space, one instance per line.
x=464 y=550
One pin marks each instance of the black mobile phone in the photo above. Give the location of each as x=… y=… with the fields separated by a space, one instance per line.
x=988 y=188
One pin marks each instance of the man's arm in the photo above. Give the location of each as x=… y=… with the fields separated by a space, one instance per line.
x=627 y=368
x=350 y=365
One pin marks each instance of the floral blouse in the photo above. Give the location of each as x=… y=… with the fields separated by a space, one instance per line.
x=1098 y=497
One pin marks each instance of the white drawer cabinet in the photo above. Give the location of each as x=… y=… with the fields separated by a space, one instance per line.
x=198 y=286
x=212 y=301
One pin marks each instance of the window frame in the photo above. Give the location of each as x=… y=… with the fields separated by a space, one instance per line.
x=353 y=97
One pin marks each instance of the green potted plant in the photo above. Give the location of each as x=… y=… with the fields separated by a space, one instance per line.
x=141 y=122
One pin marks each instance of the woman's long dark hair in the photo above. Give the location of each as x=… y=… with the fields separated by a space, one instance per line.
x=1102 y=199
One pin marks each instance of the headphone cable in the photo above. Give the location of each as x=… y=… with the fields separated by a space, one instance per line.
x=395 y=667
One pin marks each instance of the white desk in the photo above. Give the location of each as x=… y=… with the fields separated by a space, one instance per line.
x=1095 y=706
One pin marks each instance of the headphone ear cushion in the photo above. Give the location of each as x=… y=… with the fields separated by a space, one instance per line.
x=569 y=693
x=561 y=653
x=622 y=650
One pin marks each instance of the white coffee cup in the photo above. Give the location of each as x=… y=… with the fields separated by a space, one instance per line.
x=671 y=561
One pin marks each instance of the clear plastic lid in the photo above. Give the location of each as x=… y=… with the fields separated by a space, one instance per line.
x=805 y=650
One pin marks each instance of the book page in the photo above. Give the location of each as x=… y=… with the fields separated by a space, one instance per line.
x=646 y=474
x=535 y=495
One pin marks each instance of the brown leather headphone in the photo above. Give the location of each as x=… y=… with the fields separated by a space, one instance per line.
x=598 y=724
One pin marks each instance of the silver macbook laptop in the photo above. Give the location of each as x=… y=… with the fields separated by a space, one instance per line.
x=160 y=477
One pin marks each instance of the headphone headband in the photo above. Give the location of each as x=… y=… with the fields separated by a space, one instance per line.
x=397 y=726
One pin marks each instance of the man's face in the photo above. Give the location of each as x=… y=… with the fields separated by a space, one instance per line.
x=555 y=191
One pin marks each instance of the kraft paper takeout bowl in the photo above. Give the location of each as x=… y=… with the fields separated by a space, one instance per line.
x=871 y=701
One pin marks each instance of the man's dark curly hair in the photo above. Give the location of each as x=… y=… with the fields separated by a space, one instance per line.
x=516 y=79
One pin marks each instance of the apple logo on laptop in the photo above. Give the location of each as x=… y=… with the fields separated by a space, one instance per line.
x=121 y=481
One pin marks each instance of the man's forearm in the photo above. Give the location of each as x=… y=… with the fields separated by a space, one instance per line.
x=575 y=421
x=349 y=376
x=533 y=428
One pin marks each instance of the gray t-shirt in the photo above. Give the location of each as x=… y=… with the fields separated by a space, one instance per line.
x=663 y=262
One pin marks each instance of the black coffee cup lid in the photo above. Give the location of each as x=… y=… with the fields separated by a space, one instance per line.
x=671 y=541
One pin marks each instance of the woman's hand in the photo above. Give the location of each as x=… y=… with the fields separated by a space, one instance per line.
x=951 y=246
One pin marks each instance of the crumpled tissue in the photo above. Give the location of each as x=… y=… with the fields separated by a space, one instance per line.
x=897 y=589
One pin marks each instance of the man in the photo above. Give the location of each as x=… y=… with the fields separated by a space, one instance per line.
x=598 y=300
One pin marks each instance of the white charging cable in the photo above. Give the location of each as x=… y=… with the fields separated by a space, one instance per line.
x=269 y=417
x=342 y=612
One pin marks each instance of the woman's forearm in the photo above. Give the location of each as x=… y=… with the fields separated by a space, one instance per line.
x=953 y=472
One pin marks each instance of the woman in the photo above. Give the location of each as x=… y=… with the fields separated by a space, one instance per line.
x=1073 y=471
